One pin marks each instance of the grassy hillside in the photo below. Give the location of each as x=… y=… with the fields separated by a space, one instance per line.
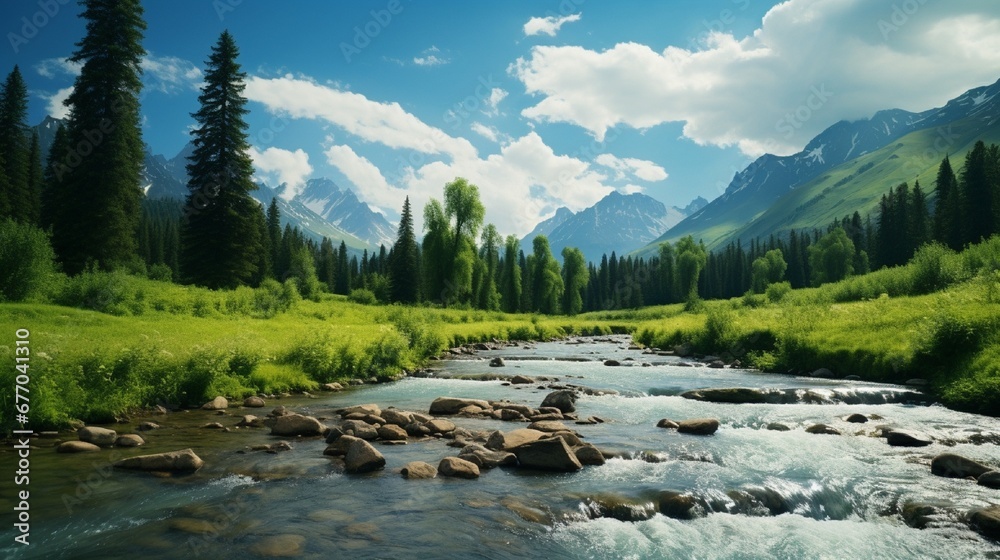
x=858 y=185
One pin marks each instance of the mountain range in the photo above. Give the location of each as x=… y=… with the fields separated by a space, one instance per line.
x=617 y=223
x=844 y=169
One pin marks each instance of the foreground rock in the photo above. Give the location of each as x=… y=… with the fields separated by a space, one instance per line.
x=698 y=426
x=254 y=402
x=989 y=479
x=77 y=447
x=547 y=454
x=297 y=425
x=497 y=362
x=458 y=468
x=101 y=437
x=418 y=470
x=362 y=458
x=955 y=466
x=174 y=461
x=905 y=438
x=218 y=403
x=129 y=440
x=823 y=429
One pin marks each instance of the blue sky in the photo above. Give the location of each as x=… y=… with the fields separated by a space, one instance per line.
x=541 y=104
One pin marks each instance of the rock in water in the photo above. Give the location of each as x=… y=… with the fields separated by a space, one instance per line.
x=612 y=363
x=391 y=432
x=254 y=402
x=547 y=454
x=417 y=470
x=279 y=546
x=956 y=466
x=698 y=426
x=451 y=405
x=497 y=362
x=987 y=522
x=823 y=429
x=506 y=441
x=667 y=424
x=458 y=468
x=989 y=479
x=362 y=458
x=174 y=461
x=297 y=425
x=218 y=403
x=129 y=440
x=101 y=437
x=521 y=380
x=904 y=438
x=778 y=427
x=857 y=418
x=587 y=454
x=563 y=400
x=77 y=447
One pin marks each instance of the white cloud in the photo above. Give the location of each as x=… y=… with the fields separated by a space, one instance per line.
x=631 y=189
x=810 y=64
x=169 y=74
x=430 y=57
x=53 y=67
x=632 y=167
x=55 y=106
x=371 y=185
x=491 y=105
x=488 y=132
x=548 y=25
x=283 y=166
x=372 y=121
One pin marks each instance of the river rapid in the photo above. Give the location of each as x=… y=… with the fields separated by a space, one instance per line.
x=759 y=493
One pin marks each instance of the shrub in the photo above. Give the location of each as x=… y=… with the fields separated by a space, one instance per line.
x=933 y=268
x=777 y=292
x=362 y=296
x=27 y=262
x=115 y=293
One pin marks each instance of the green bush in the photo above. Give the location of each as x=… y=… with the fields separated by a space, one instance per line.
x=777 y=292
x=934 y=267
x=362 y=296
x=114 y=293
x=27 y=262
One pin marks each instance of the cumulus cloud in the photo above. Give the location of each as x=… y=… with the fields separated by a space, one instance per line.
x=283 y=167
x=169 y=74
x=55 y=105
x=631 y=167
x=488 y=132
x=55 y=67
x=491 y=105
x=548 y=25
x=372 y=121
x=810 y=64
x=372 y=186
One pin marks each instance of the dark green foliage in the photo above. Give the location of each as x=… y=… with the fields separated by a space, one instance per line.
x=691 y=260
x=574 y=275
x=17 y=199
x=832 y=258
x=404 y=268
x=99 y=174
x=979 y=194
x=767 y=270
x=547 y=288
x=510 y=277
x=27 y=262
x=222 y=231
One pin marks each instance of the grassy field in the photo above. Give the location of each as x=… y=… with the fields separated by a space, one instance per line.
x=113 y=343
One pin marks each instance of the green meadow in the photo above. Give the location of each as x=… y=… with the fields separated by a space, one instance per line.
x=107 y=344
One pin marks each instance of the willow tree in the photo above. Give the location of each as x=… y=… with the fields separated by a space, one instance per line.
x=223 y=225
x=100 y=174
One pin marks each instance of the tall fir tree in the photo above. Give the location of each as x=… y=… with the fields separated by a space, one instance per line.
x=100 y=173
x=53 y=192
x=920 y=226
x=404 y=269
x=978 y=195
x=223 y=224
x=947 y=206
x=274 y=234
x=14 y=145
x=510 y=276
x=35 y=173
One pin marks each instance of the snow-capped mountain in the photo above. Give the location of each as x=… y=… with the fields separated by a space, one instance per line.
x=756 y=188
x=617 y=223
x=341 y=207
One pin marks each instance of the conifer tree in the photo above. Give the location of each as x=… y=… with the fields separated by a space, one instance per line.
x=404 y=270
x=17 y=201
x=919 y=220
x=946 y=186
x=100 y=172
x=53 y=190
x=222 y=231
x=978 y=195
x=510 y=277
x=574 y=276
x=489 y=296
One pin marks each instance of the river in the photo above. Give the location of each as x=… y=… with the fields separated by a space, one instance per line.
x=818 y=496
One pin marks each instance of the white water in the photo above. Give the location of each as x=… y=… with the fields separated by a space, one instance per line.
x=837 y=496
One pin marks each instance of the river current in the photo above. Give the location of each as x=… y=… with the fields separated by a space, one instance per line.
x=761 y=493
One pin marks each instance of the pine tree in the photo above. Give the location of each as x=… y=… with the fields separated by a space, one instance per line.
x=17 y=201
x=404 y=270
x=53 y=195
x=920 y=226
x=488 y=295
x=100 y=173
x=222 y=237
x=978 y=196
x=574 y=276
x=510 y=276
x=343 y=282
x=946 y=185
x=33 y=202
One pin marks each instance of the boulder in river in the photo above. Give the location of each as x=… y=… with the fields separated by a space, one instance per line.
x=297 y=425
x=359 y=428
x=254 y=402
x=218 y=403
x=987 y=522
x=339 y=446
x=101 y=437
x=621 y=508
x=667 y=423
x=548 y=426
x=397 y=417
x=822 y=373
x=677 y=505
x=698 y=426
x=506 y=441
x=823 y=429
x=147 y=426
x=856 y=418
x=906 y=438
x=778 y=427
x=497 y=362
x=612 y=363
x=184 y=460
x=989 y=479
x=521 y=380
x=729 y=395
x=564 y=400
x=363 y=409
x=129 y=440
x=487 y=458
x=456 y=467
x=587 y=454
x=956 y=466
x=362 y=458
x=547 y=454
x=77 y=447
x=391 y=432
x=418 y=470
x=440 y=426
x=452 y=405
